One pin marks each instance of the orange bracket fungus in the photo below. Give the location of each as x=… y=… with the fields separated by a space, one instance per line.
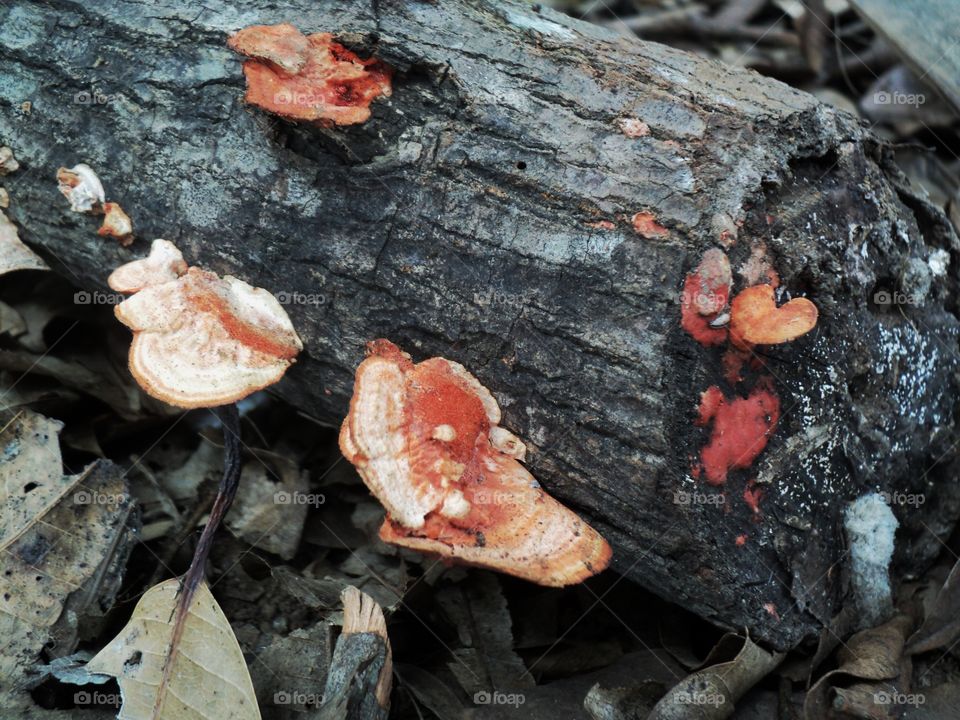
x=200 y=340
x=426 y=440
x=741 y=428
x=755 y=318
x=308 y=77
x=81 y=186
x=116 y=224
x=705 y=295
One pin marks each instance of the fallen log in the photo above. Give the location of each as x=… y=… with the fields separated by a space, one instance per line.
x=529 y=201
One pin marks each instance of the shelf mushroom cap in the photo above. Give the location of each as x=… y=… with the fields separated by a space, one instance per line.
x=201 y=340
x=426 y=440
x=755 y=318
x=81 y=186
x=164 y=263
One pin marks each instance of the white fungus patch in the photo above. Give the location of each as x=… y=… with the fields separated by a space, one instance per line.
x=871 y=526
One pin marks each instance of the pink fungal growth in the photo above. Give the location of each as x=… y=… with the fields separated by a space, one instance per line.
x=308 y=77
x=751 y=496
x=633 y=128
x=646 y=225
x=741 y=428
x=705 y=294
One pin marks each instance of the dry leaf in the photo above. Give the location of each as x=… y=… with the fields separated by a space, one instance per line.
x=14 y=255
x=268 y=514
x=56 y=534
x=209 y=678
x=713 y=691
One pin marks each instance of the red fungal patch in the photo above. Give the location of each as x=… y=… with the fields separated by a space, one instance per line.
x=705 y=294
x=710 y=401
x=772 y=610
x=436 y=396
x=646 y=225
x=751 y=496
x=741 y=540
x=741 y=428
x=602 y=225
x=309 y=77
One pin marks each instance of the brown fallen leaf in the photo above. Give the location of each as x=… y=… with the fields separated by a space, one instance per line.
x=268 y=514
x=14 y=255
x=941 y=626
x=875 y=654
x=209 y=678
x=58 y=535
x=713 y=691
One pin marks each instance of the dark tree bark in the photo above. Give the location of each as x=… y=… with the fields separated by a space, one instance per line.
x=461 y=220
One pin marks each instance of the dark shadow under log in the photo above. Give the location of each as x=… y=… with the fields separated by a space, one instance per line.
x=484 y=214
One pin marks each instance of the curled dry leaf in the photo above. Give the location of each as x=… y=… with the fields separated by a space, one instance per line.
x=81 y=186
x=755 y=318
x=116 y=224
x=201 y=340
x=875 y=654
x=209 y=678
x=714 y=690
x=308 y=77
x=14 y=255
x=425 y=439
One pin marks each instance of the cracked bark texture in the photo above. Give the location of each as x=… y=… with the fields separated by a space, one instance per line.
x=461 y=221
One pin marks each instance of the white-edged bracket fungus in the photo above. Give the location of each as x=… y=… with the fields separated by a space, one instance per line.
x=200 y=340
x=426 y=440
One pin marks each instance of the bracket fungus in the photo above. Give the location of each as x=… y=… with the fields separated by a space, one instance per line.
x=308 y=77
x=755 y=318
x=426 y=440
x=200 y=340
x=81 y=186
x=705 y=294
x=116 y=224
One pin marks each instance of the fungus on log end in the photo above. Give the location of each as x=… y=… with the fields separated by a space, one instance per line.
x=308 y=77
x=705 y=294
x=426 y=441
x=116 y=224
x=755 y=318
x=201 y=340
x=741 y=428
